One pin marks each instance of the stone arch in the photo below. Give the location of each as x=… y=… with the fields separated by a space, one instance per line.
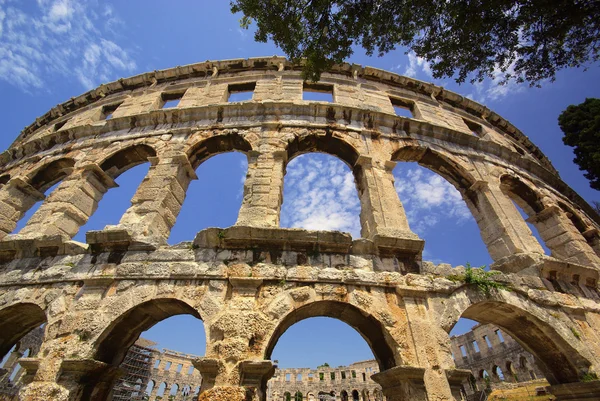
x=522 y=194
x=344 y=395
x=126 y=158
x=440 y=163
x=355 y=395
x=113 y=343
x=327 y=143
x=367 y=325
x=535 y=330
x=16 y=321
x=498 y=373
x=51 y=173
x=208 y=147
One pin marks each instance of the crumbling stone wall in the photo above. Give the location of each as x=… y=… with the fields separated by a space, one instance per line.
x=341 y=383
x=252 y=281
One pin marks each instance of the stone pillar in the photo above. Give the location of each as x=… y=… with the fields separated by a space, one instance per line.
x=16 y=198
x=562 y=237
x=263 y=189
x=502 y=227
x=70 y=205
x=152 y=395
x=158 y=200
x=427 y=339
x=11 y=361
x=402 y=383
x=382 y=214
x=254 y=376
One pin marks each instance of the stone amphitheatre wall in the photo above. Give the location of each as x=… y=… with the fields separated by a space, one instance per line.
x=252 y=281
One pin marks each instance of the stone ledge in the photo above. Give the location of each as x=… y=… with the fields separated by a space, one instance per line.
x=291 y=239
x=115 y=240
x=13 y=247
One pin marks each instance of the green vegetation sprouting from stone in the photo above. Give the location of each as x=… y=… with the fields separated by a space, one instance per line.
x=480 y=278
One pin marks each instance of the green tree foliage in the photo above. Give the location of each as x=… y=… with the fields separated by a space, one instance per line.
x=581 y=126
x=529 y=40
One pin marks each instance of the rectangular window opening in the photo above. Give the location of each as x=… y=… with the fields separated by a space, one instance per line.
x=108 y=110
x=321 y=376
x=500 y=337
x=403 y=108
x=343 y=375
x=156 y=363
x=317 y=92
x=476 y=346
x=190 y=370
x=310 y=377
x=171 y=100
x=179 y=367
x=167 y=366
x=463 y=350
x=299 y=377
x=476 y=129
x=332 y=375
x=240 y=92
x=487 y=341
x=354 y=374
x=288 y=377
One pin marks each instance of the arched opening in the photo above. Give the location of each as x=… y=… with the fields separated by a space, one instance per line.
x=344 y=395
x=498 y=372
x=558 y=359
x=45 y=180
x=527 y=202
x=298 y=396
x=438 y=213
x=214 y=199
x=16 y=321
x=287 y=396
x=128 y=167
x=133 y=341
x=355 y=396
x=366 y=325
x=320 y=194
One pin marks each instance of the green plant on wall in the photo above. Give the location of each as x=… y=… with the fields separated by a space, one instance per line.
x=482 y=279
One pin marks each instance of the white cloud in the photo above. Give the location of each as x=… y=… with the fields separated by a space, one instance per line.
x=63 y=38
x=416 y=65
x=428 y=199
x=320 y=194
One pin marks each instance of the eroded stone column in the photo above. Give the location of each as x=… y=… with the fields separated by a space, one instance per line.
x=70 y=205
x=562 y=237
x=158 y=200
x=427 y=339
x=263 y=189
x=16 y=198
x=402 y=383
x=502 y=227
x=382 y=214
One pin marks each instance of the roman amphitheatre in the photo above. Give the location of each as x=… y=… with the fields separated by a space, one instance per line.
x=250 y=282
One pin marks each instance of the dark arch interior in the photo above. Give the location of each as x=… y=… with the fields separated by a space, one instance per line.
x=522 y=194
x=574 y=217
x=127 y=158
x=366 y=325
x=217 y=144
x=323 y=143
x=114 y=343
x=51 y=173
x=559 y=360
x=4 y=179
x=16 y=321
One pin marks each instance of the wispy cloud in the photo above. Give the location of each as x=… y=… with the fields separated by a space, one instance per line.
x=416 y=66
x=428 y=199
x=320 y=194
x=51 y=38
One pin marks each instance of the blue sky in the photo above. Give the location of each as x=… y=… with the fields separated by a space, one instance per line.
x=51 y=50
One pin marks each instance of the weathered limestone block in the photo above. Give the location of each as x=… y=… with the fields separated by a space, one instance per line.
x=562 y=237
x=263 y=190
x=70 y=205
x=502 y=228
x=140 y=104
x=278 y=89
x=85 y=118
x=441 y=116
x=15 y=199
x=402 y=383
x=382 y=213
x=158 y=200
x=211 y=93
